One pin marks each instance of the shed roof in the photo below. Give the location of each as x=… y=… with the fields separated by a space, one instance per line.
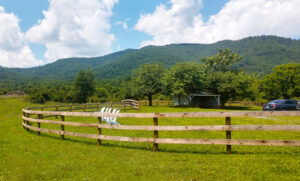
x=203 y=94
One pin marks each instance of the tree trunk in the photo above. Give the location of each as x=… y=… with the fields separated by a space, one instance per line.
x=223 y=101
x=150 y=100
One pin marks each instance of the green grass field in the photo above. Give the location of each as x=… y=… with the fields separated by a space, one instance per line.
x=25 y=156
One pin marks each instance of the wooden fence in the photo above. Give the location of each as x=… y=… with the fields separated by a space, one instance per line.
x=157 y=102
x=244 y=103
x=131 y=103
x=92 y=107
x=29 y=114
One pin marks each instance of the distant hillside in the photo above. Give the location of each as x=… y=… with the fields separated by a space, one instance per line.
x=260 y=55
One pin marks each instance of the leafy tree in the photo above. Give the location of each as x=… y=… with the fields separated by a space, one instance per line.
x=40 y=95
x=230 y=85
x=84 y=86
x=184 y=78
x=147 y=80
x=102 y=94
x=284 y=82
x=223 y=79
x=221 y=62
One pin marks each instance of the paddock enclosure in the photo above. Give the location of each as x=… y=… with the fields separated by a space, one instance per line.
x=58 y=115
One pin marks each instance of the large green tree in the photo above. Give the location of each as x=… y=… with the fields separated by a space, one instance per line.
x=230 y=85
x=184 y=78
x=284 y=82
x=84 y=86
x=221 y=62
x=147 y=80
x=223 y=79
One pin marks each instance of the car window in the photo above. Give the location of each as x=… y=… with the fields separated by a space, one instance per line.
x=277 y=102
x=289 y=102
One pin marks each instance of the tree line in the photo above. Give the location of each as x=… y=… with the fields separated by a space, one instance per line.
x=216 y=74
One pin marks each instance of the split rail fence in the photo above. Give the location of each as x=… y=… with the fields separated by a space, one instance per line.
x=37 y=116
x=157 y=102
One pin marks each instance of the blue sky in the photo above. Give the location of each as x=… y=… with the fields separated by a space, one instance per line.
x=77 y=28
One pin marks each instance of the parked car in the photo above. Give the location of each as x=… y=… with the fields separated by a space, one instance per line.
x=281 y=105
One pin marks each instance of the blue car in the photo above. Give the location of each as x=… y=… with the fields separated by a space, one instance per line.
x=281 y=105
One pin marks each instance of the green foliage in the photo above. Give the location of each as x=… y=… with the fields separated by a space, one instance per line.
x=221 y=62
x=40 y=95
x=224 y=80
x=184 y=78
x=84 y=86
x=159 y=96
x=101 y=94
x=147 y=80
x=284 y=82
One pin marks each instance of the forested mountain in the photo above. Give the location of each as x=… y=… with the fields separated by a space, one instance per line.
x=260 y=54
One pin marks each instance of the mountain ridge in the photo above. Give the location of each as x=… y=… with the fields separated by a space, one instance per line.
x=260 y=54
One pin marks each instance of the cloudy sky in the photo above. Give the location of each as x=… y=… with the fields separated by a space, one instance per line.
x=36 y=32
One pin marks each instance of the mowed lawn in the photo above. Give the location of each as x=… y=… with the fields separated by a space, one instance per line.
x=25 y=156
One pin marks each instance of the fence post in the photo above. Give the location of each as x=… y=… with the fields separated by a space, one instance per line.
x=62 y=128
x=40 y=116
x=99 y=130
x=56 y=109
x=98 y=106
x=39 y=124
x=228 y=135
x=27 y=122
x=24 y=114
x=155 y=145
x=70 y=108
x=84 y=107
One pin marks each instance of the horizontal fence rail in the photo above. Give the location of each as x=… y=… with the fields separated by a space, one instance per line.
x=37 y=115
x=157 y=102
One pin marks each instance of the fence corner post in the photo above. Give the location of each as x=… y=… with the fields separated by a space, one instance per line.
x=155 y=145
x=228 y=134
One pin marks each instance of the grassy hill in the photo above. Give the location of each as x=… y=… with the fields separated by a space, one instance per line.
x=260 y=55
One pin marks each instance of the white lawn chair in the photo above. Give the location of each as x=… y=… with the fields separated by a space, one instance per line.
x=107 y=119
x=113 y=120
x=102 y=110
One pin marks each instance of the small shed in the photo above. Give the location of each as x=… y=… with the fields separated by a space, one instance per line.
x=202 y=99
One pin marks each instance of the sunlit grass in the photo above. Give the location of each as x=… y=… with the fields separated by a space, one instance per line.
x=25 y=156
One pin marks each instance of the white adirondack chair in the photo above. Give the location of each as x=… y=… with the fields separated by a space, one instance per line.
x=108 y=109
x=113 y=120
x=109 y=120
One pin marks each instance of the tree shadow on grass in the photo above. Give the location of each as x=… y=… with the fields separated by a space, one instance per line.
x=216 y=151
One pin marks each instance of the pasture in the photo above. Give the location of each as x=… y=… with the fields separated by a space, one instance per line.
x=25 y=156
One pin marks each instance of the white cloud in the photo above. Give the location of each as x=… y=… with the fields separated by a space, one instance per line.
x=14 y=50
x=74 y=28
x=123 y=23
x=182 y=22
